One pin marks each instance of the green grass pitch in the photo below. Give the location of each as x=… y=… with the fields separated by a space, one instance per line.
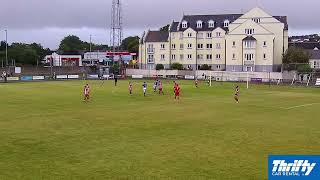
x=48 y=132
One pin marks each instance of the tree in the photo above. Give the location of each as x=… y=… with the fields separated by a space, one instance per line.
x=176 y=66
x=72 y=43
x=131 y=44
x=205 y=67
x=295 y=55
x=159 y=67
x=23 y=54
x=165 y=28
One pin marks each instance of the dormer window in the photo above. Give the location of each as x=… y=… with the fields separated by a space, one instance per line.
x=226 y=23
x=184 y=24
x=211 y=24
x=199 y=24
x=257 y=20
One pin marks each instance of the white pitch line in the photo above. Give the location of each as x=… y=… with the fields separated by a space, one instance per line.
x=303 y=105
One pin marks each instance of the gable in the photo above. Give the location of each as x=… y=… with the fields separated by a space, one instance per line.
x=249 y=24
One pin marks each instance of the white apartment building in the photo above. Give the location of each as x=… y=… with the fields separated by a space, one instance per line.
x=254 y=41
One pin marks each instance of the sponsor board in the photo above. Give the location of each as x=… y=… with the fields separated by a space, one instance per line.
x=189 y=77
x=13 y=78
x=73 y=76
x=38 y=77
x=256 y=80
x=137 y=76
x=93 y=76
x=294 y=167
x=318 y=82
x=26 y=78
x=62 y=77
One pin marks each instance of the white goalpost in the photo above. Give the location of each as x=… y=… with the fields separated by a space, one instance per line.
x=247 y=79
x=293 y=80
x=210 y=80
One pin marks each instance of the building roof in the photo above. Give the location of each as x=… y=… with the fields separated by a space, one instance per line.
x=305 y=45
x=174 y=27
x=157 y=36
x=218 y=20
x=314 y=54
x=284 y=20
x=249 y=38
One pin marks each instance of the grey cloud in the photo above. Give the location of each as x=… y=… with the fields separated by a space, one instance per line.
x=48 y=21
x=143 y=13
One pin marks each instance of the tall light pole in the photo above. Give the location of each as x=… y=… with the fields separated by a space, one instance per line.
x=90 y=49
x=6 y=47
x=116 y=28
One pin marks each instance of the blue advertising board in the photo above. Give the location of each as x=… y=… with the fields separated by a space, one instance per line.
x=294 y=167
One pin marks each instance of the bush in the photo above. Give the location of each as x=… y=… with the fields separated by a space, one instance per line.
x=176 y=66
x=304 y=68
x=159 y=67
x=205 y=67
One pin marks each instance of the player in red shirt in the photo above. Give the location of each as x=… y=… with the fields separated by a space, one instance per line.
x=177 y=91
x=130 y=88
x=86 y=92
x=160 y=88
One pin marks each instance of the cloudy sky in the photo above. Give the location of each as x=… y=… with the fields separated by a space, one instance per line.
x=48 y=21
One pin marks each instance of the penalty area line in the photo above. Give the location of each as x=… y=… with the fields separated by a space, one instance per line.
x=303 y=105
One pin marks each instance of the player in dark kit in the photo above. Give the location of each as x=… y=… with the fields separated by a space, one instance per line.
x=237 y=93
x=196 y=83
x=144 y=88
x=115 y=80
x=130 y=88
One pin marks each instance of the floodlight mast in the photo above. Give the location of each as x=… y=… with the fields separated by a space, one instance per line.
x=116 y=29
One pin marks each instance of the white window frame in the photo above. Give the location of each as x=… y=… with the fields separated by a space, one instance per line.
x=189 y=56
x=162 y=57
x=209 y=35
x=163 y=46
x=218 y=56
x=199 y=24
x=226 y=23
x=184 y=24
x=173 y=57
x=200 y=46
x=218 y=34
x=211 y=24
x=189 y=35
x=173 y=46
x=189 y=46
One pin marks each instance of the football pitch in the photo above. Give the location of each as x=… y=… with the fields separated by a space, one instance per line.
x=48 y=132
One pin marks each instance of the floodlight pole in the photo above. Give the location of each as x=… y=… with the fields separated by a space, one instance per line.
x=6 y=31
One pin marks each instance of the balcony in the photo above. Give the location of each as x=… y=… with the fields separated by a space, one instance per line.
x=247 y=62
x=150 y=50
x=150 y=61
